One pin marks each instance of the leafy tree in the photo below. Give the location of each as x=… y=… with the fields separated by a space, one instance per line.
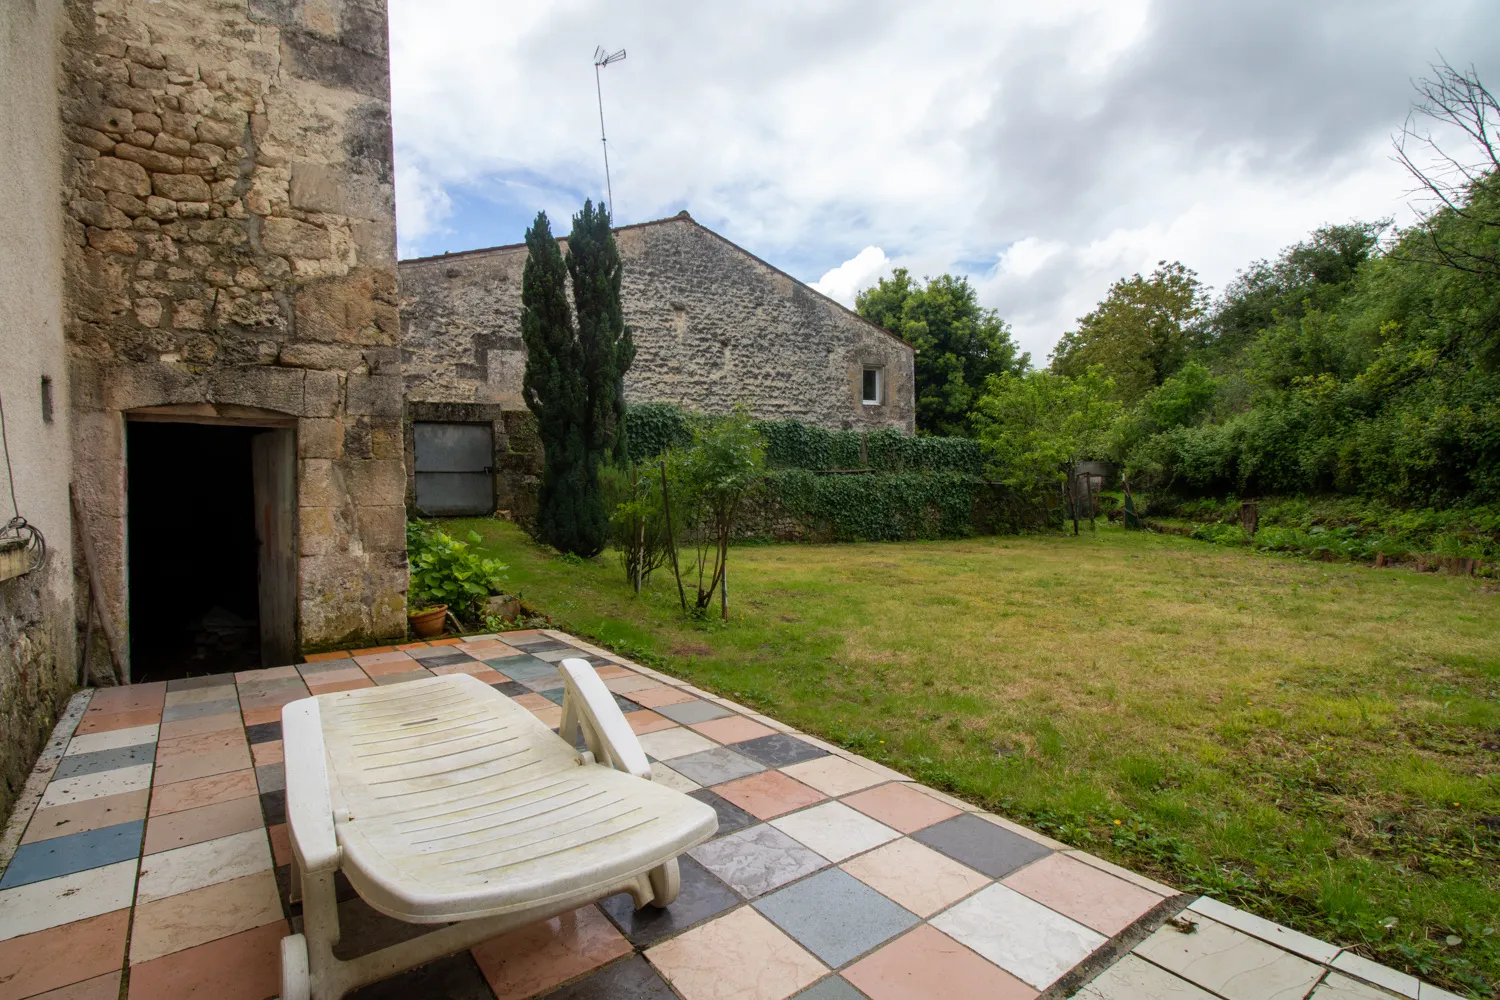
x=574 y=375
x=959 y=344
x=1038 y=426
x=1141 y=333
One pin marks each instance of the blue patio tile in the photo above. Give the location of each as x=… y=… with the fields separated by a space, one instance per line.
x=689 y=712
x=780 y=750
x=981 y=845
x=179 y=713
x=523 y=668
x=832 y=988
x=105 y=760
x=702 y=896
x=731 y=816
x=75 y=852
x=835 y=916
x=264 y=732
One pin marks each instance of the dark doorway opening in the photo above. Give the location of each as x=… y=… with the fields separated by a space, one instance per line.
x=206 y=578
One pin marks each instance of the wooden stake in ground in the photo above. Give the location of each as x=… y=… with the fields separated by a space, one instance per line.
x=666 y=505
x=96 y=592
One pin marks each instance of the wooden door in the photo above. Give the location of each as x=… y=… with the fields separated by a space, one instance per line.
x=274 y=460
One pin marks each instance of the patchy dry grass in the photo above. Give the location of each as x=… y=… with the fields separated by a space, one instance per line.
x=1318 y=743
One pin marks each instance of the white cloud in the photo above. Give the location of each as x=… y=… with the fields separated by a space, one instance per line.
x=1044 y=149
x=854 y=275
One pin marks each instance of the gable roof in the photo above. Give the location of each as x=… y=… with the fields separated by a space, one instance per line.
x=681 y=216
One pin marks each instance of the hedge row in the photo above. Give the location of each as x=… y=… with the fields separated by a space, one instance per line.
x=655 y=427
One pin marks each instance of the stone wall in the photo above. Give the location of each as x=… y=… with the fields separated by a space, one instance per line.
x=230 y=246
x=36 y=609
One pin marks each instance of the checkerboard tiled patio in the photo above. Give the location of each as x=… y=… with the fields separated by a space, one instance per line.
x=153 y=863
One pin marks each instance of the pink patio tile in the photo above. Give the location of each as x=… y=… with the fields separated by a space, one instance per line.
x=732 y=729
x=645 y=721
x=916 y=876
x=352 y=684
x=1088 y=895
x=257 y=716
x=768 y=794
x=411 y=645
x=337 y=654
x=198 y=916
x=927 y=964
x=833 y=775
x=202 y=791
x=244 y=966
x=740 y=956
x=374 y=650
x=128 y=698
x=108 y=721
x=402 y=666
x=203 y=724
x=549 y=717
x=901 y=806
x=269 y=752
x=378 y=659
x=479 y=671
x=106 y=987
x=199 y=756
x=266 y=674
x=533 y=702
x=658 y=696
x=335 y=676
x=63 y=955
x=612 y=670
x=167 y=831
x=628 y=685
x=534 y=959
x=281 y=844
x=90 y=814
x=450 y=641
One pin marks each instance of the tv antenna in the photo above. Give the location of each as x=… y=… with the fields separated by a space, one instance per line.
x=601 y=60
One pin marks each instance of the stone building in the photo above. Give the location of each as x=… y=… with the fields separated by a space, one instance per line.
x=714 y=326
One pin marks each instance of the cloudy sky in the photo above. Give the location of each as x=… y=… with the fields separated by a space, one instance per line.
x=1042 y=149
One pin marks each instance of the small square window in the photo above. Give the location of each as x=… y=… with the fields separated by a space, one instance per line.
x=872 y=389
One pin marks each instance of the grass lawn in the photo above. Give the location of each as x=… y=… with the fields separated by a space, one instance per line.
x=1318 y=743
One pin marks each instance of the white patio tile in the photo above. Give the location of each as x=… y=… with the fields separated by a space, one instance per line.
x=1427 y=991
x=1231 y=963
x=198 y=865
x=114 y=739
x=664 y=775
x=92 y=786
x=1341 y=987
x=1282 y=937
x=34 y=907
x=832 y=775
x=1380 y=975
x=835 y=831
x=1031 y=942
x=666 y=744
x=1133 y=978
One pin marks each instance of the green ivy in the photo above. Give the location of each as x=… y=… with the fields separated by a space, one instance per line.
x=877 y=508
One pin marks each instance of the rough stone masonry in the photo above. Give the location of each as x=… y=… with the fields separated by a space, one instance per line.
x=230 y=254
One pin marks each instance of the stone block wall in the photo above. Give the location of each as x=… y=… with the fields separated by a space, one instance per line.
x=229 y=240
x=36 y=609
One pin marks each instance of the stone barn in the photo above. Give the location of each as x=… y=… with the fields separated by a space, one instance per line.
x=714 y=326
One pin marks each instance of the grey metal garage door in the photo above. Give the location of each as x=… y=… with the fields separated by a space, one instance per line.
x=453 y=468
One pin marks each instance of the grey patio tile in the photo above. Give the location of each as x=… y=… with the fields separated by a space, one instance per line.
x=689 y=712
x=401 y=678
x=432 y=652
x=205 y=681
x=832 y=988
x=731 y=816
x=105 y=760
x=523 y=668
x=779 y=750
x=536 y=643
x=835 y=916
x=1230 y=963
x=75 y=852
x=456 y=977
x=543 y=683
x=702 y=896
x=628 y=979
x=263 y=732
x=179 y=713
x=757 y=859
x=447 y=659
x=510 y=688
x=270 y=777
x=982 y=846
x=323 y=666
x=712 y=767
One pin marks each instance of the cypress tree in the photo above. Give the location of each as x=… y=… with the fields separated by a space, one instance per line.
x=594 y=267
x=569 y=516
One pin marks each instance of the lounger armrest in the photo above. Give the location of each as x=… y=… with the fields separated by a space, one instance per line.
x=309 y=808
x=588 y=702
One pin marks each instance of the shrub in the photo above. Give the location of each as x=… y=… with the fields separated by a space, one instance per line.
x=445 y=570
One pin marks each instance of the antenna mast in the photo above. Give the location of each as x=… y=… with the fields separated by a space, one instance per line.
x=601 y=60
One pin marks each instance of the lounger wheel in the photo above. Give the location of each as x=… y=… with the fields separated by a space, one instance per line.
x=665 y=881
x=296 y=983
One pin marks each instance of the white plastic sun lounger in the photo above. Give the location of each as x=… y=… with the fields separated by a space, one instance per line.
x=444 y=802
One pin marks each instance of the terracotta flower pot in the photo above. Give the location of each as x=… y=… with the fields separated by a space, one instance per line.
x=427 y=623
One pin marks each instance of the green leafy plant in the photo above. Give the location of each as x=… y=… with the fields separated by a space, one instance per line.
x=445 y=570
